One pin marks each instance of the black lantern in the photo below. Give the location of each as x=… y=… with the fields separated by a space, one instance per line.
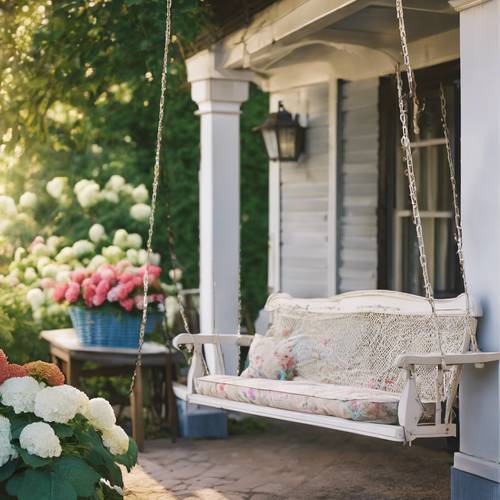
x=283 y=135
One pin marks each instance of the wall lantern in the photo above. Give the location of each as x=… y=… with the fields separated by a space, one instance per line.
x=283 y=135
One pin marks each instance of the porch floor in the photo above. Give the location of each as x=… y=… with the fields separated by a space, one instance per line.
x=289 y=461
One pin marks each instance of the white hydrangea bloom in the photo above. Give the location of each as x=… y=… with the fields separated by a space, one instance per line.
x=142 y=256
x=40 y=439
x=134 y=240
x=40 y=250
x=19 y=253
x=20 y=393
x=35 y=298
x=96 y=262
x=140 y=194
x=66 y=254
x=28 y=200
x=155 y=259
x=140 y=211
x=53 y=241
x=57 y=186
x=113 y=253
x=49 y=271
x=97 y=233
x=120 y=238
x=100 y=414
x=7 y=451
x=7 y=206
x=82 y=183
x=115 y=440
x=115 y=183
x=175 y=274
x=63 y=276
x=110 y=196
x=89 y=195
x=128 y=189
x=133 y=256
x=30 y=275
x=60 y=404
x=83 y=248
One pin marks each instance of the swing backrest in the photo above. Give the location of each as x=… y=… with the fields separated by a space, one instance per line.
x=355 y=338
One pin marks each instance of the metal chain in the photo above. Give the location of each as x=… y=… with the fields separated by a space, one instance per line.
x=154 y=194
x=412 y=84
x=456 y=209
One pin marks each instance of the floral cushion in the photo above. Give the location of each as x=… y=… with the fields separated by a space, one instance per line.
x=271 y=358
x=353 y=403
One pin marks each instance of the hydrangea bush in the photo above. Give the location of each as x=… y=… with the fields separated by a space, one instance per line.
x=54 y=440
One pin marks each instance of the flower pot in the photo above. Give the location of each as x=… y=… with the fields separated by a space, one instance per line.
x=109 y=328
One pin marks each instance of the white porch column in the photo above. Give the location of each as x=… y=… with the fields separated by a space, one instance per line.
x=219 y=94
x=479 y=456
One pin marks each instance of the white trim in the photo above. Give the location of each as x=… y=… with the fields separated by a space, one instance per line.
x=274 y=253
x=387 y=301
x=477 y=466
x=460 y=5
x=332 y=186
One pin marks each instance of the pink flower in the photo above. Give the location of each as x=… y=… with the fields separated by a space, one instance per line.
x=153 y=272
x=127 y=304
x=113 y=294
x=99 y=299
x=103 y=287
x=47 y=283
x=139 y=302
x=60 y=292
x=95 y=278
x=72 y=292
x=88 y=294
x=138 y=281
x=79 y=275
x=107 y=273
x=126 y=277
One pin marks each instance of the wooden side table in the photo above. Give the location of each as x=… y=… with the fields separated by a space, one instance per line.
x=70 y=356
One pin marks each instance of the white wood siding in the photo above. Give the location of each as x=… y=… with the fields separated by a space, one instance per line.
x=358 y=185
x=304 y=198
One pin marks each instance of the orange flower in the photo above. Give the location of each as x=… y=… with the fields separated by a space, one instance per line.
x=4 y=372
x=16 y=370
x=47 y=372
x=3 y=358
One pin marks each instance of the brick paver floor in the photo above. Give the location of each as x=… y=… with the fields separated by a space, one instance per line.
x=289 y=461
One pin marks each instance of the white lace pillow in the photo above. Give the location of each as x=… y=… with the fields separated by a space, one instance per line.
x=270 y=357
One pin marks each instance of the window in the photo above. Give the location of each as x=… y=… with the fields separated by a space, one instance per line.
x=400 y=259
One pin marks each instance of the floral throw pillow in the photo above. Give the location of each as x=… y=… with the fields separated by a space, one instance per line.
x=270 y=357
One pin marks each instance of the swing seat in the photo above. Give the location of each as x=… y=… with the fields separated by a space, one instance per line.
x=369 y=363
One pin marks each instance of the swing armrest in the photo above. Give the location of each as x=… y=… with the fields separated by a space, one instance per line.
x=199 y=339
x=407 y=360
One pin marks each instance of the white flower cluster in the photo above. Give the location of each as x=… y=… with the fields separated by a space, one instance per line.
x=59 y=404
x=20 y=393
x=40 y=439
x=7 y=451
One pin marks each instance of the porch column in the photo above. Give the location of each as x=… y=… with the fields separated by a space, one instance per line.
x=219 y=94
x=476 y=472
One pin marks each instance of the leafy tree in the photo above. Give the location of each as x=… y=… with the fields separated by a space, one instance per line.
x=79 y=87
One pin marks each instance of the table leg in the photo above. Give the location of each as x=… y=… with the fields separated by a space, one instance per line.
x=73 y=372
x=170 y=398
x=137 y=411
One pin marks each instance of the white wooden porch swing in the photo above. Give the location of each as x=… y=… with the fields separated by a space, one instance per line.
x=389 y=347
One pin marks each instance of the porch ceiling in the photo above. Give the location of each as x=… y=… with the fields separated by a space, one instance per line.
x=279 y=33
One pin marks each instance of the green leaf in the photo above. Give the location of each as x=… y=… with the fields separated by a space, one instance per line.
x=80 y=474
x=19 y=422
x=128 y=459
x=110 y=493
x=7 y=470
x=14 y=483
x=46 y=486
x=62 y=430
x=32 y=460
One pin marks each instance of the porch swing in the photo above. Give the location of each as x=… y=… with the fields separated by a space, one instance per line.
x=376 y=363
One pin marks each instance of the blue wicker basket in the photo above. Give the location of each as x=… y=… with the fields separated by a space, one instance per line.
x=108 y=328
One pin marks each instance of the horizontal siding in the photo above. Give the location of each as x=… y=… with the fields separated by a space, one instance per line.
x=358 y=181
x=304 y=199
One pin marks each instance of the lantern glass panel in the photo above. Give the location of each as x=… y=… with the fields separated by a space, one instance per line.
x=271 y=142
x=287 y=142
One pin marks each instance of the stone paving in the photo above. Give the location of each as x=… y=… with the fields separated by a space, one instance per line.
x=289 y=461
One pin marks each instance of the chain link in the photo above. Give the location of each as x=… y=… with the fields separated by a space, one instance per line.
x=154 y=194
x=412 y=84
x=456 y=208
